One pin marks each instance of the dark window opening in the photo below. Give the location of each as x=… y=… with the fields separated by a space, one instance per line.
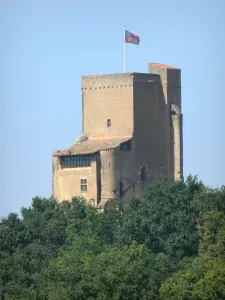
x=121 y=189
x=109 y=123
x=76 y=161
x=127 y=146
x=144 y=174
x=173 y=113
x=83 y=185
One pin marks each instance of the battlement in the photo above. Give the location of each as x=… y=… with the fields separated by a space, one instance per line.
x=109 y=76
x=168 y=74
x=107 y=81
x=117 y=80
x=162 y=66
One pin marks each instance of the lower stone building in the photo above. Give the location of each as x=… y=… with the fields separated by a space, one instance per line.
x=132 y=135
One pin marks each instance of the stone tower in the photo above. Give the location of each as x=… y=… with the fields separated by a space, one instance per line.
x=132 y=135
x=171 y=85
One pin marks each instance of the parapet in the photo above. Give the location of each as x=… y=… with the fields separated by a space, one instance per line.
x=107 y=81
x=170 y=74
x=117 y=80
x=161 y=66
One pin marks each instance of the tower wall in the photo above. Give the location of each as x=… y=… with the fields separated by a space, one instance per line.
x=171 y=86
x=176 y=137
x=149 y=126
x=67 y=181
x=108 y=174
x=126 y=170
x=107 y=97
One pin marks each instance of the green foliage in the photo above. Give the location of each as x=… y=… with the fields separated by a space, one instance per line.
x=213 y=234
x=204 y=280
x=167 y=244
x=165 y=219
x=89 y=270
x=28 y=244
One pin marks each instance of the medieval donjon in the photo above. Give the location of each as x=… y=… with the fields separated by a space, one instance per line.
x=132 y=135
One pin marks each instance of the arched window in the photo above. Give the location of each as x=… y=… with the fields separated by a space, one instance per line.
x=144 y=174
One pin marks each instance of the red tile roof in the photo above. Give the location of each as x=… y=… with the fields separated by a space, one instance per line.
x=89 y=146
x=162 y=66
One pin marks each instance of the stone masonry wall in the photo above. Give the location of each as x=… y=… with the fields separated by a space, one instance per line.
x=67 y=181
x=108 y=174
x=149 y=126
x=171 y=86
x=107 y=97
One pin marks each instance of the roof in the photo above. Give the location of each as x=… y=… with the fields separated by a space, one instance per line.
x=89 y=146
x=162 y=66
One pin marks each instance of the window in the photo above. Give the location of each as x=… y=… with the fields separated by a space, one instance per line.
x=121 y=189
x=144 y=174
x=109 y=123
x=76 y=161
x=83 y=185
x=173 y=113
x=126 y=146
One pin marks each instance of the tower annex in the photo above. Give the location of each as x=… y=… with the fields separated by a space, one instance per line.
x=132 y=135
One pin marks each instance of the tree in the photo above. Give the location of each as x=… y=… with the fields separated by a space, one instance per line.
x=88 y=269
x=164 y=219
x=27 y=245
x=167 y=244
x=213 y=234
x=204 y=280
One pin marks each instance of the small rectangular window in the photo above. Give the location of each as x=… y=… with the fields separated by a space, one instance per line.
x=109 y=123
x=83 y=185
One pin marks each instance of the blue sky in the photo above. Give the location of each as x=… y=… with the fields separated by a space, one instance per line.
x=46 y=46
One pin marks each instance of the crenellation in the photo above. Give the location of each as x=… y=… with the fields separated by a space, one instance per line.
x=99 y=87
x=107 y=80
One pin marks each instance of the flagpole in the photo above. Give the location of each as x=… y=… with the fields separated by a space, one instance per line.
x=124 y=49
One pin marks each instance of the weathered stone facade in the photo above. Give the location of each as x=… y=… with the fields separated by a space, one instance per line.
x=132 y=135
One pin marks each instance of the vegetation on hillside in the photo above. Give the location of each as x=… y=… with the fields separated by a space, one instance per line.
x=168 y=244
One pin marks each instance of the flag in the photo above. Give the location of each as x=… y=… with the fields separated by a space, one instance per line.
x=131 y=38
